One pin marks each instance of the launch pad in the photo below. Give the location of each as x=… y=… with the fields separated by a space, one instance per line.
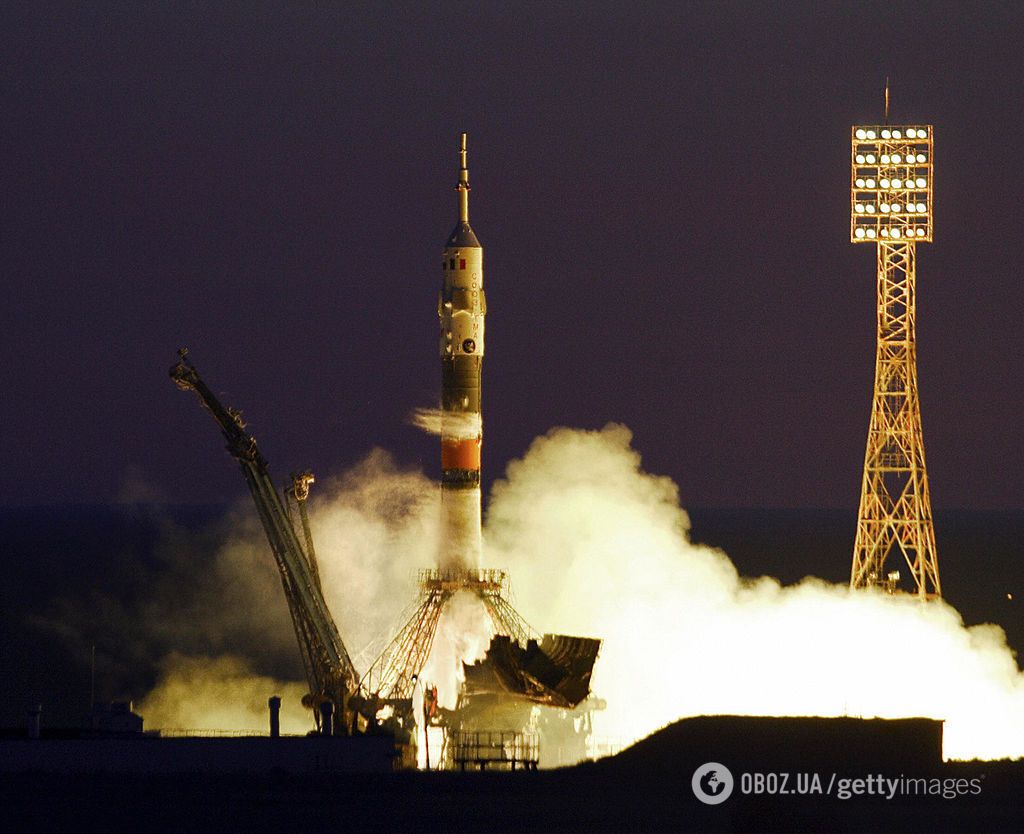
x=554 y=671
x=393 y=674
x=492 y=723
x=557 y=672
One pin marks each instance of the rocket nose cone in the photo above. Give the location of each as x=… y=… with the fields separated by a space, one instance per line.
x=462 y=236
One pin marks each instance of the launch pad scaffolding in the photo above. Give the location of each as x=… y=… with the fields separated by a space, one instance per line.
x=393 y=674
x=495 y=750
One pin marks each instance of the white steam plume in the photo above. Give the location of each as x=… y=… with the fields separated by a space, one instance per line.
x=201 y=693
x=597 y=547
x=375 y=527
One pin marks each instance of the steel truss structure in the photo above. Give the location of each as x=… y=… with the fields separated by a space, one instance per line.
x=895 y=514
x=329 y=670
x=393 y=674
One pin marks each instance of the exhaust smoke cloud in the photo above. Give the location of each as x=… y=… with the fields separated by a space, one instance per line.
x=606 y=553
x=595 y=546
x=200 y=693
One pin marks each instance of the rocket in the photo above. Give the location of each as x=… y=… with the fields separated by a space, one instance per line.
x=461 y=308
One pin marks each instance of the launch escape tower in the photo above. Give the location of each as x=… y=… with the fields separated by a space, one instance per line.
x=891 y=207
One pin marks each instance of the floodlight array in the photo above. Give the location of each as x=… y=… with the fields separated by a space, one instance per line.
x=891 y=183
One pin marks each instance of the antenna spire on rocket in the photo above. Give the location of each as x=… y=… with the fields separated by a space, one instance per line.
x=463 y=186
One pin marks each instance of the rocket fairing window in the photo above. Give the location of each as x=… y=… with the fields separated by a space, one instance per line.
x=451 y=264
x=462 y=263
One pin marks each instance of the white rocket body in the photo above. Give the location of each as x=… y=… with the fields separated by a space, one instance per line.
x=461 y=308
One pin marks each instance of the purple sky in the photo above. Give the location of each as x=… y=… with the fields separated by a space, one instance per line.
x=661 y=194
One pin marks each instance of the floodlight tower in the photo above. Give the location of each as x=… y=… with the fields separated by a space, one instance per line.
x=891 y=207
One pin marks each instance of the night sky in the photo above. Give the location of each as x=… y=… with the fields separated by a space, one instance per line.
x=661 y=191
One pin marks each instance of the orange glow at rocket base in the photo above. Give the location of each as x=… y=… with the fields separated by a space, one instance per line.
x=461 y=454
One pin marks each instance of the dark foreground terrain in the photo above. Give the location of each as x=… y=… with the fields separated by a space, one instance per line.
x=645 y=788
x=587 y=799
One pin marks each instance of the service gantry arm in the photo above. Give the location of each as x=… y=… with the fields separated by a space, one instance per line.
x=329 y=668
x=295 y=497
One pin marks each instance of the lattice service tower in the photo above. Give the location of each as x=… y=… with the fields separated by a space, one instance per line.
x=891 y=207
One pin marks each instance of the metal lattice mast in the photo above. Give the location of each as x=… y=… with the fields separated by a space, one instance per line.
x=891 y=206
x=329 y=669
x=391 y=675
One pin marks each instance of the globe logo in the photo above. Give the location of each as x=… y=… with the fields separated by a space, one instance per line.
x=712 y=783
